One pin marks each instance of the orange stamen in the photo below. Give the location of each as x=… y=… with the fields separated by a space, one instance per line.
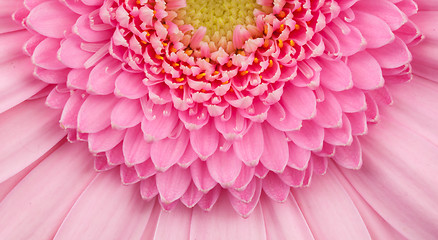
x=281 y=27
x=200 y=76
x=189 y=52
x=282 y=14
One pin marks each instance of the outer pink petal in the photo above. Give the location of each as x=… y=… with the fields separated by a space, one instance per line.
x=42 y=200
x=175 y=224
x=329 y=210
x=17 y=86
x=106 y=209
x=409 y=171
x=226 y=224
x=28 y=131
x=280 y=217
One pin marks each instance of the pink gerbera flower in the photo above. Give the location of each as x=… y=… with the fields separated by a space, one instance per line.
x=213 y=110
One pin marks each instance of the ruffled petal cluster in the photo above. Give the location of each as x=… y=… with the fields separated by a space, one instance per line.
x=188 y=114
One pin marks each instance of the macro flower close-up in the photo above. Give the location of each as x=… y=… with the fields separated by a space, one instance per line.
x=219 y=119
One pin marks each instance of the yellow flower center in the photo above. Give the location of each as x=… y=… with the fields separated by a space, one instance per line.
x=219 y=16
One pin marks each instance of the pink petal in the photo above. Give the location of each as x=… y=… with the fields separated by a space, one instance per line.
x=352 y=100
x=339 y=136
x=128 y=175
x=226 y=224
x=17 y=86
x=275 y=188
x=281 y=119
x=224 y=167
x=349 y=156
x=130 y=85
x=298 y=157
x=37 y=194
x=45 y=55
x=148 y=188
x=293 y=177
x=395 y=174
x=71 y=54
x=309 y=137
x=126 y=113
x=29 y=130
x=250 y=148
x=173 y=183
x=192 y=196
x=246 y=195
x=245 y=176
x=246 y=208
x=104 y=210
x=209 y=199
x=161 y=123
x=95 y=113
x=41 y=18
x=366 y=71
x=329 y=210
x=201 y=178
x=300 y=102
x=103 y=76
x=335 y=75
x=275 y=152
x=392 y=55
x=135 y=148
x=165 y=153
x=279 y=217
x=377 y=36
x=105 y=140
x=205 y=140
x=180 y=218
x=328 y=112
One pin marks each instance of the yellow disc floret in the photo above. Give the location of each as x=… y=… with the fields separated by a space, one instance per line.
x=218 y=16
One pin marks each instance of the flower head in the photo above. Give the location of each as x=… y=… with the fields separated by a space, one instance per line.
x=191 y=98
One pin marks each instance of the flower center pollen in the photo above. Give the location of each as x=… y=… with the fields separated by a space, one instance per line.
x=219 y=17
